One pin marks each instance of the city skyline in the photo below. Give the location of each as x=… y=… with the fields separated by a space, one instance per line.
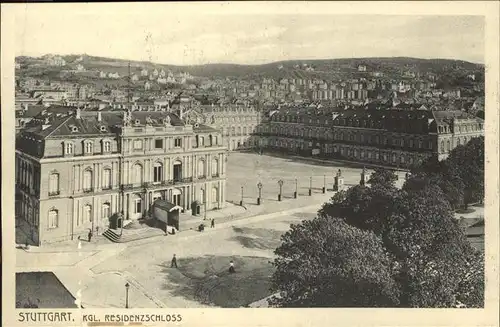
x=174 y=38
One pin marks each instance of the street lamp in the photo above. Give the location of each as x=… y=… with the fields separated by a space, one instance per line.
x=259 y=186
x=126 y=298
x=205 y=203
x=280 y=182
x=324 y=184
x=310 y=185
x=241 y=201
x=296 y=188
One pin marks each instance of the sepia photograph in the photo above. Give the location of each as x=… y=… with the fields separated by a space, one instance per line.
x=169 y=159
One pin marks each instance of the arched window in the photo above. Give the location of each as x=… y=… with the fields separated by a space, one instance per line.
x=137 y=174
x=244 y=130
x=458 y=141
x=157 y=172
x=215 y=167
x=233 y=131
x=441 y=148
x=53 y=218
x=87 y=180
x=239 y=130
x=54 y=184
x=448 y=146
x=201 y=168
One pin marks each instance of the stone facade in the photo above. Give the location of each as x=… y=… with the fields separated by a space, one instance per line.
x=73 y=174
x=384 y=137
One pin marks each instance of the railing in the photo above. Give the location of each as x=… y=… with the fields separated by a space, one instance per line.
x=183 y=180
x=107 y=187
x=216 y=175
x=202 y=177
x=54 y=193
x=167 y=182
x=88 y=190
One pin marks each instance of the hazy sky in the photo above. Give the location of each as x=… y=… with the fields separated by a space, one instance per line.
x=186 y=37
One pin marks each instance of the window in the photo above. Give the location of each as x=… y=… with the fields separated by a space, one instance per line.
x=158 y=144
x=201 y=168
x=53 y=219
x=215 y=167
x=107 y=146
x=54 y=184
x=87 y=180
x=87 y=213
x=106 y=179
x=393 y=157
x=441 y=148
x=157 y=172
x=89 y=148
x=448 y=146
x=138 y=205
x=137 y=144
x=411 y=143
x=178 y=142
x=68 y=148
x=215 y=140
x=215 y=194
x=201 y=141
x=137 y=174
x=105 y=210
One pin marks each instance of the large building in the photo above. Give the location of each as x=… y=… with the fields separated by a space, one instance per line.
x=75 y=173
x=387 y=137
x=237 y=123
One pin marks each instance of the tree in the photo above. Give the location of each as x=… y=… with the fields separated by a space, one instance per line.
x=325 y=262
x=431 y=263
x=383 y=177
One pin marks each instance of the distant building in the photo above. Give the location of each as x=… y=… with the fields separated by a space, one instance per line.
x=52 y=60
x=134 y=78
x=80 y=68
x=147 y=86
x=361 y=68
x=103 y=74
x=113 y=75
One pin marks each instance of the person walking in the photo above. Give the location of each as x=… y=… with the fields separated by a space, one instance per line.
x=231 y=267
x=212 y=223
x=90 y=236
x=174 y=262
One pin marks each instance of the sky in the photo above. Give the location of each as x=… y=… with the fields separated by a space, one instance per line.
x=188 y=37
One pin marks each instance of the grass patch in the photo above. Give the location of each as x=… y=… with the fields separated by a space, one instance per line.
x=207 y=280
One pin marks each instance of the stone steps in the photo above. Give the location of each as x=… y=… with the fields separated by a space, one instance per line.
x=131 y=235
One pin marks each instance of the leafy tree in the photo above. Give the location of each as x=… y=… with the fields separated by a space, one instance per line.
x=325 y=262
x=383 y=177
x=430 y=262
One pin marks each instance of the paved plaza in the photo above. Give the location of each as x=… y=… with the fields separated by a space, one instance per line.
x=248 y=169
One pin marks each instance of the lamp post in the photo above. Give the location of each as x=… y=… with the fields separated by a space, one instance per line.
x=310 y=185
x=241 y=201
x=324 y=184
x=259 y=186
x=296 y=189
x=126 y=296
x=205 y=203
x=280 y=182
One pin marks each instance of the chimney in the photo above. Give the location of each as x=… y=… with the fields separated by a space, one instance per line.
x=99 y=116
x=78 y=113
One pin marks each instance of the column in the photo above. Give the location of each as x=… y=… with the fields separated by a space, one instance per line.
x=127 y=211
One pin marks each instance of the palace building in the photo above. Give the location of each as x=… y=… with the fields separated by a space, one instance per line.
x=74 y=173
x=386 y=137
x=237 y=123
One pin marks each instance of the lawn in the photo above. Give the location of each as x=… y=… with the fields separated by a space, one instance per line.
x=207 y=280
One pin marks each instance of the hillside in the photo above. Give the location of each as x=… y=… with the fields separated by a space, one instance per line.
x=328 y=68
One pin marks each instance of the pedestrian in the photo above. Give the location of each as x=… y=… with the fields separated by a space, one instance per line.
x=212 y=223
x=231 y=267
x=174 y=262
x=90 y=236
x=97 y=230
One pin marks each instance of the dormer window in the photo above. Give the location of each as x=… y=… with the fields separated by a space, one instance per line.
x=68 y=148
x=89 y=148
x=74 y=129
x=106 y=146
x=137 y=122
x=103 y=128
